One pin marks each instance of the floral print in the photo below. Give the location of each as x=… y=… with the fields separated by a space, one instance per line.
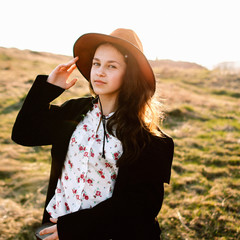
x=87 y=179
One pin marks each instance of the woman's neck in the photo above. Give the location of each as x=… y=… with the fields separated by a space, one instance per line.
x=108 y=104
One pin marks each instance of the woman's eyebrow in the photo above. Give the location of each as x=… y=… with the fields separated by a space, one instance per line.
x=113 y=61
x=109 y=61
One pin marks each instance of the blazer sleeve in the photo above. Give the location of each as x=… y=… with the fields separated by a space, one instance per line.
x=37 y=118
x=136 y=201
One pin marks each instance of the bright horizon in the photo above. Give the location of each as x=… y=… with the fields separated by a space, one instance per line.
x=201 y=31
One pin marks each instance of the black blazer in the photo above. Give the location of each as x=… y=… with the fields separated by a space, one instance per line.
x=138 y=193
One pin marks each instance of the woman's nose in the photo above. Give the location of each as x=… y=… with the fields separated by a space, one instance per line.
x=101 y=72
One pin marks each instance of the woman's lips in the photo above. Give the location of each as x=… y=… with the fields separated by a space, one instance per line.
x=99 y=82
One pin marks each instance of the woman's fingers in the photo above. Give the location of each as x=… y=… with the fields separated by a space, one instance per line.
x=71 y=83
x=71 y=62
x=68 y=65
x=72 y=68
x=59 y=76
x=54 y=236
x=53 y=220
x=50 y=230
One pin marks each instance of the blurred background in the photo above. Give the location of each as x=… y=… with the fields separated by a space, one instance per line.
x=205 y=32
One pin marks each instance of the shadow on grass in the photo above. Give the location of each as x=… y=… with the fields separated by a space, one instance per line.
x=14 y=107
x=176 y=117
x=27 y=232
x=6 y=174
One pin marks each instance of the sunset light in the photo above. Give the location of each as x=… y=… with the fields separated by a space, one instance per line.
x=201 y=31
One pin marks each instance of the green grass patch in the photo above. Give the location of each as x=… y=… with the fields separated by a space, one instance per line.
x=5 y=57
x=226 y=93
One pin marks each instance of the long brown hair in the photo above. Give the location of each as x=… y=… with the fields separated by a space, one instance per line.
x=135 y=119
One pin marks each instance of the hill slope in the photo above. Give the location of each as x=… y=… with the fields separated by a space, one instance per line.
x=202 y=115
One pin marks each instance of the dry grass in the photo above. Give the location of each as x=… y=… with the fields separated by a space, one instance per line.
x=202 y=115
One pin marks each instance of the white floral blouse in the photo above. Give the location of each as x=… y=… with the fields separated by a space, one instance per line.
x=87 y=178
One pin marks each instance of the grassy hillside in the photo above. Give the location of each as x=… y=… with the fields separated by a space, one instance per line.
x=201 y=114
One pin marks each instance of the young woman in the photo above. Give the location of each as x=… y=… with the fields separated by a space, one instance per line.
x=109 y=158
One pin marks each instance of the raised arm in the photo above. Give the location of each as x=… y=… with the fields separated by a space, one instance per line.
x=37 y=118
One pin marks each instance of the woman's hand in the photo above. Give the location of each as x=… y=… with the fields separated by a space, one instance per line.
x=52 y=230
x=61 y=73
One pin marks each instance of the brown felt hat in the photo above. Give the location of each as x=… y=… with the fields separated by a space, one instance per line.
x=86 y=45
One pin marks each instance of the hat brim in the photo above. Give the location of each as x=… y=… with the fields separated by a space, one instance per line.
x=85 y=48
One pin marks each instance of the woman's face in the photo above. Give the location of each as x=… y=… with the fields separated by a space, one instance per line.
x=107 y=72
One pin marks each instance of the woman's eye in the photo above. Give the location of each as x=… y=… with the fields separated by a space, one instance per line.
x=96 y=64
x=112 y=66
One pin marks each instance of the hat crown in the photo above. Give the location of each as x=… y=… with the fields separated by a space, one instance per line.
x=128 y=35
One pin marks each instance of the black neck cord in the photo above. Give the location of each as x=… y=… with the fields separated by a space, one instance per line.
x=103 y=119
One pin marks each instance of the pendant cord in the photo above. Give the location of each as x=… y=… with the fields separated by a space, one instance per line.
x=103 y=119
x=104 y=136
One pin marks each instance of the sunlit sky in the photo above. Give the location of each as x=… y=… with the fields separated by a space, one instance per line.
x=202 y=31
